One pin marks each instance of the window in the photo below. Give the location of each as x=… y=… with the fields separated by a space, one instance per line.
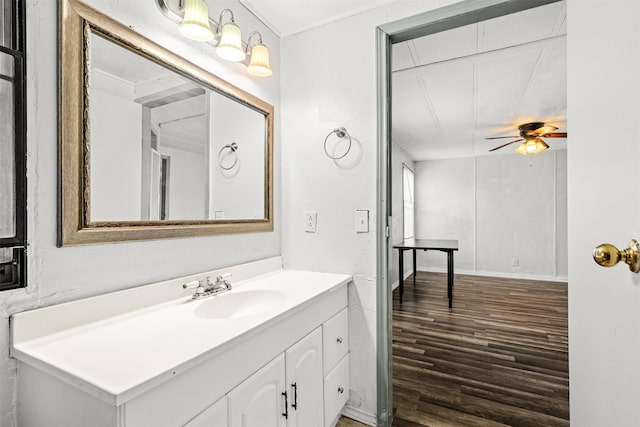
x=407 y=198
x=12 y=145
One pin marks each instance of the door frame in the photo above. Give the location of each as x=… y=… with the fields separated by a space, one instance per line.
x=431 y=22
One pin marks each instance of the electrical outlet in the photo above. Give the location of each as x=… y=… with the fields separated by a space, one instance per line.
x=310 y=221
x=515 y=262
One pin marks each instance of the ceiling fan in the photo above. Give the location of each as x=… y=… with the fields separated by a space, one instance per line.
x=531 y=134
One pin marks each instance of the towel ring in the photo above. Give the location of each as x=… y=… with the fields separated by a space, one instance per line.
x=340 y=133
x=233 y=147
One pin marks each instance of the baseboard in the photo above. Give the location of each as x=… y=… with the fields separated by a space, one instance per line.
x=359 y=415
x=395 y=284
x=541 y=278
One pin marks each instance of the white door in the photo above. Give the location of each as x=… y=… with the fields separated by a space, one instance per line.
x=603 y=159
x=259 y=400
x=304 y=381
x=156 y=174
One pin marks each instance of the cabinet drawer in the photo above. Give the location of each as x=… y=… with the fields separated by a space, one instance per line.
x=336 y=391
x=335 y=339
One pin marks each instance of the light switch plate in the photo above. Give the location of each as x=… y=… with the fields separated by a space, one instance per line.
x=362 y=220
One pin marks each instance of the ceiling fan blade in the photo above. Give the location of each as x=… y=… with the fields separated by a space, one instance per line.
x=501 y=137
x=554 y=135
x=508 y=143
x=543 y=130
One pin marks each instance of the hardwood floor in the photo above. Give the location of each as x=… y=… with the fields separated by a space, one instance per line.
x=499 y=357
x=348 y=422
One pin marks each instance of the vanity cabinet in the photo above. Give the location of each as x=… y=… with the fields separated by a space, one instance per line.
x=287 y=392
x=305 y=381
x=259 y=401
x=216 y=415
x=156 y=368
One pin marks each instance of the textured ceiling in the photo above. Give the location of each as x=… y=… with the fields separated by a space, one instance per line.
x=286 y=17
x=453 y=89
x=179 y=124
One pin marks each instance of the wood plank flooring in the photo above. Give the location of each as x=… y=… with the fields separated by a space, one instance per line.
x=348 y=422
x=499 y=357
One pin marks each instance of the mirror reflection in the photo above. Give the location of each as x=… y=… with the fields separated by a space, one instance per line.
x=165 y=147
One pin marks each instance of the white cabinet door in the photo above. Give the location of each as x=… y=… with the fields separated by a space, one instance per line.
x=305 y=382
x=259 y=400
x=215 y=415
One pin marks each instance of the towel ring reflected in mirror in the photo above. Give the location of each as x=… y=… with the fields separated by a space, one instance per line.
x=341 y=133
x=232 y=151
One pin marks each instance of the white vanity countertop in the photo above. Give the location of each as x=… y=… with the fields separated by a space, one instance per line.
x=115 y=357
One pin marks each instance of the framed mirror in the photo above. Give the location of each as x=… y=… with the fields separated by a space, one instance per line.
x=151 y=145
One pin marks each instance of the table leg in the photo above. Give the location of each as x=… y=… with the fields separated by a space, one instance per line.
x=401 y=272
x=414 y=267
x=450 y=277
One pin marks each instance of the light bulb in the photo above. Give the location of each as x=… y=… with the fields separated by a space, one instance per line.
x=230 y=46
x=259 y=65
x=195 y=24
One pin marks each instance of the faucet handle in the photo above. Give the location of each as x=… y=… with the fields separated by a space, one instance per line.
x=197 y=284
x=191 y=285
x=221 y=280
x=222 y=277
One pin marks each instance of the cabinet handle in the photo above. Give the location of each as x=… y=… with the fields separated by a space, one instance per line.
x=340 y=390
x=294 y=405
x=339 y=340
x=286 y=406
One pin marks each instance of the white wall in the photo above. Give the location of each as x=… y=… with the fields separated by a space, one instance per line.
x=445 y=209
x=398 y=158
x=116 y=154
x=498 y=208
x=239 y=192
x=63 y=274
x=328 y=80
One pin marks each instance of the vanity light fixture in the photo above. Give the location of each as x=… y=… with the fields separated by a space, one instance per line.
x=259 y=65
x=230 y=44
x=532 y=146
x=194 y=23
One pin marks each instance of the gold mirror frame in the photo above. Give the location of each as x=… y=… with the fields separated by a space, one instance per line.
x=76 y=21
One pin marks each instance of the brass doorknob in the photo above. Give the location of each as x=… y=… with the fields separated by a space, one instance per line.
x=608 y=255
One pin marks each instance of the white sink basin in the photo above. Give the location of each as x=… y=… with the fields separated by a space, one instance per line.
x=240 y=303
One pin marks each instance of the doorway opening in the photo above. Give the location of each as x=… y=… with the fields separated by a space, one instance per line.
x=440 y=102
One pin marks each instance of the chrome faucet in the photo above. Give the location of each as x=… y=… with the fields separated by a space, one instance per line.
x=204 y=288
x=222 y=282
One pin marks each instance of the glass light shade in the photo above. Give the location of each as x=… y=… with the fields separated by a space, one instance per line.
x=230 y=46
x=195 y=24
x=532 y=146
x=259 y=65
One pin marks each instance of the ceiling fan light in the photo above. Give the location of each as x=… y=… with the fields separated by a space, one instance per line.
x=230 y=46
x=532 y=146
x=195 y=24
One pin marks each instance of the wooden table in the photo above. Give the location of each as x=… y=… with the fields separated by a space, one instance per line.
x=448 y=246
